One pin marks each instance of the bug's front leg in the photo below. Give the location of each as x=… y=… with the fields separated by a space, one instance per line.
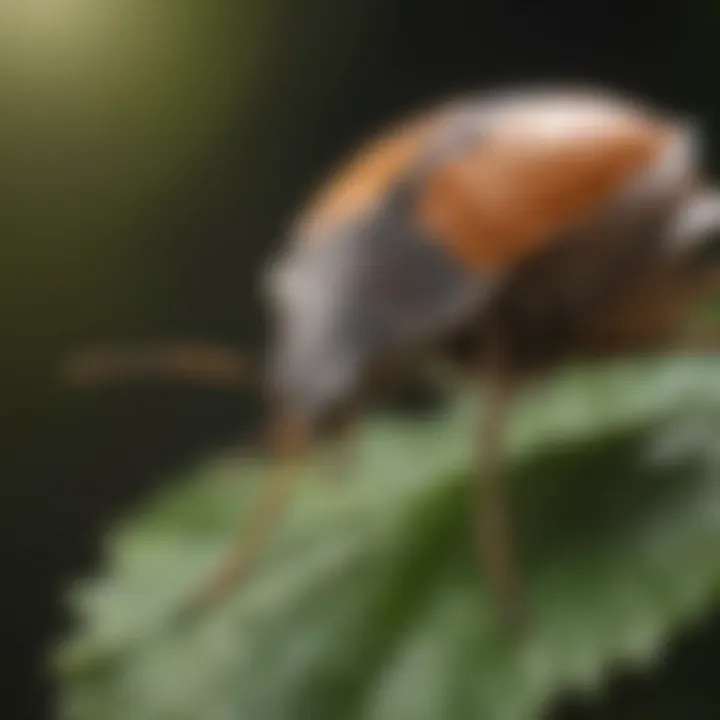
x=290 y=442
x=494 y=527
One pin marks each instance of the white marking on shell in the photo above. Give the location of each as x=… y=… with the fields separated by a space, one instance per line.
x=695 y=221
x=552 y=114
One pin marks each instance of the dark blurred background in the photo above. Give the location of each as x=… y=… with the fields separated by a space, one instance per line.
x=151 y=154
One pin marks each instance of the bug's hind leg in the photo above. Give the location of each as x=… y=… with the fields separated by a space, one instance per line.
x=494 y=527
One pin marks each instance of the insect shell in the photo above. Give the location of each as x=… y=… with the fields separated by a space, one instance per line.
x=527 y=227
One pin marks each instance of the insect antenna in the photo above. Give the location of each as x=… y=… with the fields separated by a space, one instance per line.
x=185 y=362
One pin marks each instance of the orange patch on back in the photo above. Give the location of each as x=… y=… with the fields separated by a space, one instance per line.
x=515 y=190
x=359 y=183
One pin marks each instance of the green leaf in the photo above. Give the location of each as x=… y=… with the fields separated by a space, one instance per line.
x=370 y=603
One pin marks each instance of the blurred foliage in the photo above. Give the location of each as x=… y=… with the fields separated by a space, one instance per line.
x=107 y=108
x=370 y=604
x=117 y=119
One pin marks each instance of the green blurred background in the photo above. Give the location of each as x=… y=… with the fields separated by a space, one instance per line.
x=151 y=154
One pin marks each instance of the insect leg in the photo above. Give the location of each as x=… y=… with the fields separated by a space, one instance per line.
x=252 y=540
x=494 y=531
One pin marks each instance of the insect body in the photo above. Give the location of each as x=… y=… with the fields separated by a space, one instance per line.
x=508 y=233
x=520 y=220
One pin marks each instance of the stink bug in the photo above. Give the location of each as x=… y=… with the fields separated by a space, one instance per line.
x=507 y=233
